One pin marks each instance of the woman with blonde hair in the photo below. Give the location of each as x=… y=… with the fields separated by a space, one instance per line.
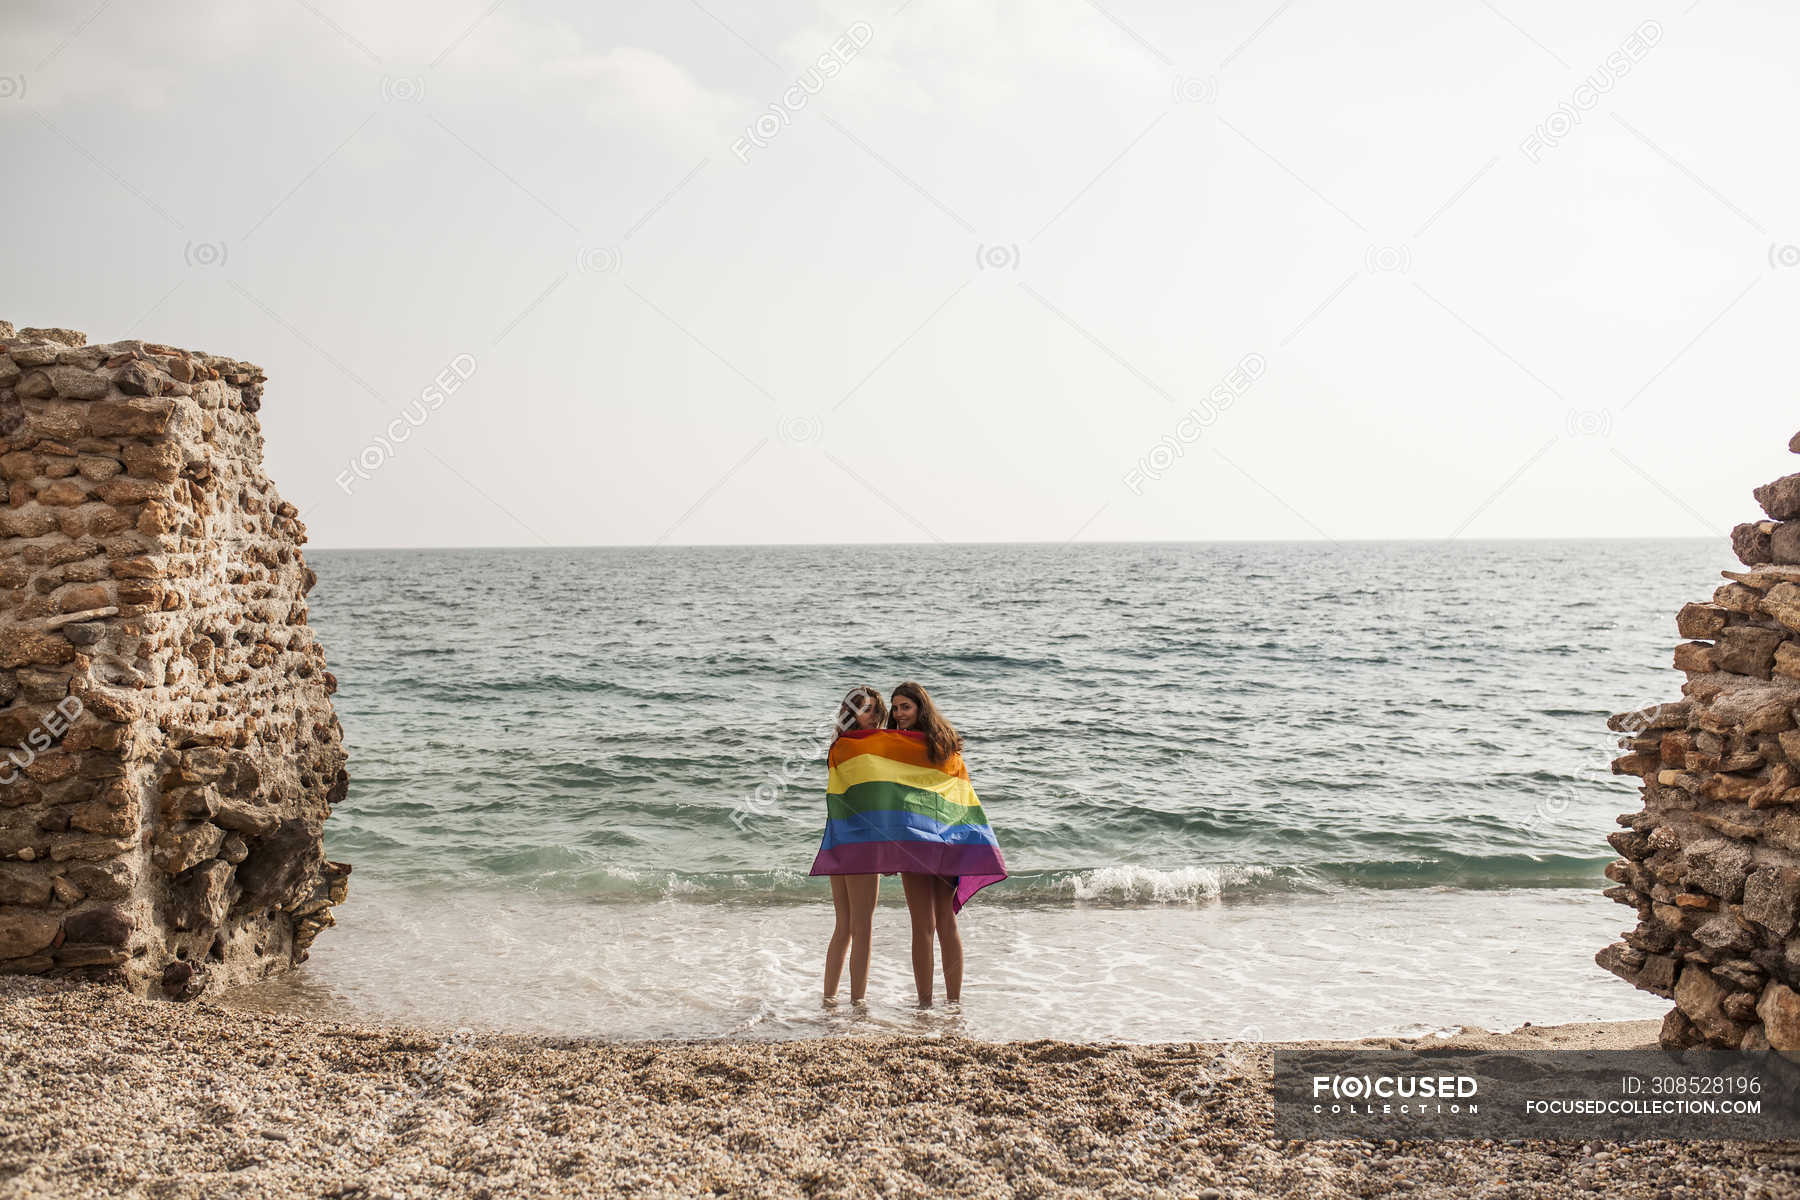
x=853 y=895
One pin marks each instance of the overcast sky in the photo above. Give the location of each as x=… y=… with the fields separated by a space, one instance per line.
x=777 y=271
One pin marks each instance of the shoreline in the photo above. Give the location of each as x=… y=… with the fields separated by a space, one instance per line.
x=109 y=1093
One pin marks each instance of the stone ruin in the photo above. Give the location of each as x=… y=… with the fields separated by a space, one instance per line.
x=1712 y=862
x=168 y=749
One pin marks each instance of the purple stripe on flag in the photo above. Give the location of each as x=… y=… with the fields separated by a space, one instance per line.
x=973 y=867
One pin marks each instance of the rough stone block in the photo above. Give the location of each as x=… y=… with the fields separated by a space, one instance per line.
x=1779 y=1008
x=1772 y=899
x=1780 y=498
x=25 y=931
x=175 y=785
x=1712 y=861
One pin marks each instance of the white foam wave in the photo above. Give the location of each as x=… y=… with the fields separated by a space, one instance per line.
x=1152 y=885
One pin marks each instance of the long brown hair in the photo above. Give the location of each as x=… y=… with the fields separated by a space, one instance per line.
x=860 y=699
x=941 y=738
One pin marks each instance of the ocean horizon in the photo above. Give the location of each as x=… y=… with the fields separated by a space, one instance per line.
x=1460 y=539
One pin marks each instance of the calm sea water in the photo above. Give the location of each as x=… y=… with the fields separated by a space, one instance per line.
x=1277 y=790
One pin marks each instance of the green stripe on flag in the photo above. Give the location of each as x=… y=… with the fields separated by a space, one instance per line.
x=880 y=795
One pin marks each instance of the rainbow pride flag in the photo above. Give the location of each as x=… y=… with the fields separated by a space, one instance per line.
x=887 y=808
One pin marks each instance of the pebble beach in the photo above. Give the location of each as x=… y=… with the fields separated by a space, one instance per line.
x=106 y=1094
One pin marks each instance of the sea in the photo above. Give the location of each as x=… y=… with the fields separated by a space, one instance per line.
x=1246 y=791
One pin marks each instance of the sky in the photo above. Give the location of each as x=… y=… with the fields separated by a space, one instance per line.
x=536 y=273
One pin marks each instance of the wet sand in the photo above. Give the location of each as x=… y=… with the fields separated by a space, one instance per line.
x=105 y=1094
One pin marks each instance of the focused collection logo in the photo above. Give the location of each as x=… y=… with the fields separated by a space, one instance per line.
x=1401 y=1095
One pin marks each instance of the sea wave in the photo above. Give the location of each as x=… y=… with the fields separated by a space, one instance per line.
x=574 y=874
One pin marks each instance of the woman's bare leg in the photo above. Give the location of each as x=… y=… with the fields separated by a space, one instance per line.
x=840 y=937
x=921 y=903
x=862 y=891
x=949 y=938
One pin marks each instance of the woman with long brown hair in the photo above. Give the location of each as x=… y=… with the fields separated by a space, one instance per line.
x=853 y=896
x=932 y=896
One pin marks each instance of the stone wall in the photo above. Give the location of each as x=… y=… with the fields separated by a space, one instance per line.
x=168 y=750
x=1712 y=862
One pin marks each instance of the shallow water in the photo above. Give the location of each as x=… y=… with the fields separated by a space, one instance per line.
x=1324 y=790
x=1402 y=962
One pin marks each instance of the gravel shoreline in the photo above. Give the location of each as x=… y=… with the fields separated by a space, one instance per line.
x=103 y=1094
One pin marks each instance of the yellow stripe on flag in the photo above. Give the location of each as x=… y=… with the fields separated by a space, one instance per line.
x=869 y=768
